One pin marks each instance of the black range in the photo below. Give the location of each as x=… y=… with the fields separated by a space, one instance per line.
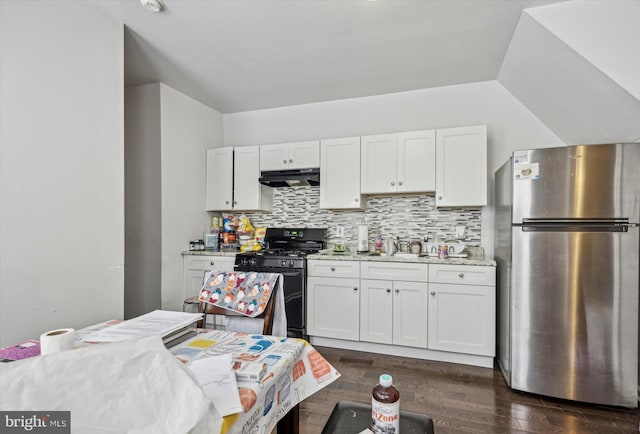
x=286 y=253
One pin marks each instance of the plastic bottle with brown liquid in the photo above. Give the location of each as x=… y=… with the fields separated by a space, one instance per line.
x=385 y=407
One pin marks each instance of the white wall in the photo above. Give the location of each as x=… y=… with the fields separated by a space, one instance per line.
x=612 y=48
x=510 y=125
x=167 y=137
x=61 y=167
x=143 y=222
x=189 y=128
x=571 y=96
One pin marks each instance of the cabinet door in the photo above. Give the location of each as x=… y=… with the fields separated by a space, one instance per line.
x=196 y=266
x=333 y=307
x=410 y=314
x=304 y=155
x=376 y=311
x=274 y=157
x=193 y=280
x=416 y=167
x=219 y=179
x=378 y=164
x=248 y=193
x=329 y=268
x=340 y=172
x=209 y=262
x=395 y=271
x=461 y=161
x=462 y=318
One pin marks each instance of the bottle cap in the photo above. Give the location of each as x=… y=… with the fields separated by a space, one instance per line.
x=386 y=380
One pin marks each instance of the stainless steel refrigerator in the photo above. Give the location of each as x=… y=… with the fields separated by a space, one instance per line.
x=567 y=249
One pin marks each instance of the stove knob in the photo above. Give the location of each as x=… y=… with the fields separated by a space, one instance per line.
x=243 y=261
x=291 y=263
x=252 y=261
x=283 y=263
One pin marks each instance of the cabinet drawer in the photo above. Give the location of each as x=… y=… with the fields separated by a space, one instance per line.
x=348 y=269
x=402 y=271
x=223 y=263
x=462 y=274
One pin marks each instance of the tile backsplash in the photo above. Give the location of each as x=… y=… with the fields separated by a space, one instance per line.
x=406 y=216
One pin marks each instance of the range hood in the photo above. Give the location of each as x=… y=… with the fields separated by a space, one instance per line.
x=291 y=178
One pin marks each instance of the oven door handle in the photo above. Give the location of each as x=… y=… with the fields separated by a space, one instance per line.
x=294 y=273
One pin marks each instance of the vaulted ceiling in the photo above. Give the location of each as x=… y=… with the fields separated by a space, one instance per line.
x=241 y=55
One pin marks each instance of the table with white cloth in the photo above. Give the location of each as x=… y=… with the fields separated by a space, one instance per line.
x=151 y=388
x=294 y=371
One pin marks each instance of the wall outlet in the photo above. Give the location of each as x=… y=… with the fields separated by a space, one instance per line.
x=340 y=231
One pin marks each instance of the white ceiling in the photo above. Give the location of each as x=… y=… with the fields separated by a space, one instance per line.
x=239 y=55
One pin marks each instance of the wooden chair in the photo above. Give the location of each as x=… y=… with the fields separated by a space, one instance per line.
x=267 y=314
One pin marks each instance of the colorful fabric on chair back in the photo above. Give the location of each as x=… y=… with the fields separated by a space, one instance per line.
x=244 y=292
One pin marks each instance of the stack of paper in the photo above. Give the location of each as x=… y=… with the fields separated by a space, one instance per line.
x=215 y=376
x=156 y=323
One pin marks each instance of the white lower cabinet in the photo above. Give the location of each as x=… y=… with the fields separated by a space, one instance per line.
x=333 y=299
x=409 y=314
x=393 y=312
x=433 y=311
x=462 y=312
x=376 y=311
x=196 y=266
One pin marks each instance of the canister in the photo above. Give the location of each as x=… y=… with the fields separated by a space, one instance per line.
x=443 y=252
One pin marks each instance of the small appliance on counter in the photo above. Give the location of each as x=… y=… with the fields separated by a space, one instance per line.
x=211 y=241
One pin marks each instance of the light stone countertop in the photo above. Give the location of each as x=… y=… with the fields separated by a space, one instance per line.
x=383 y=258
x=210 y=252
x=364 y=257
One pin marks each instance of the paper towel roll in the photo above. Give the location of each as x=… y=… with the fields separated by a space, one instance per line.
x=363 y=238
x=55 y=341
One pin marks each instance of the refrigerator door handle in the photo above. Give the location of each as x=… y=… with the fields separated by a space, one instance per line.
x=567 y=226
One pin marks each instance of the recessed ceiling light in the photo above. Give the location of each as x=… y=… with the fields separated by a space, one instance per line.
x=152 y=5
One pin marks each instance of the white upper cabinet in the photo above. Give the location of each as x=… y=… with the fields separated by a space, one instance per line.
x=340 y=174
x=378 y=164
x=298 y=155
x=461 y=155
x=248 y=193
x=232 y=180
x=416 y=161
x=219 y=179
x=398 y=163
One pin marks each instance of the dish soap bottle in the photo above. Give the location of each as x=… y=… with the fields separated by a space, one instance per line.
x=385 y=406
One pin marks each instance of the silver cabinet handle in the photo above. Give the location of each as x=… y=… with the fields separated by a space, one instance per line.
x=333 y=268
x=284 y=161
x=213 y=263
x=393 y=183
x=235 y=202
x=397 y=290
x=461 y=275
x=355 y=288
x=355 y=200
x=226 y=202
x=388 y=289
x=433 y=293
x=399 y=182
x=439 y=197
x=290 y=161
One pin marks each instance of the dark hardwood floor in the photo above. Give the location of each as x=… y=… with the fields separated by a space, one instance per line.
x=459 y=398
